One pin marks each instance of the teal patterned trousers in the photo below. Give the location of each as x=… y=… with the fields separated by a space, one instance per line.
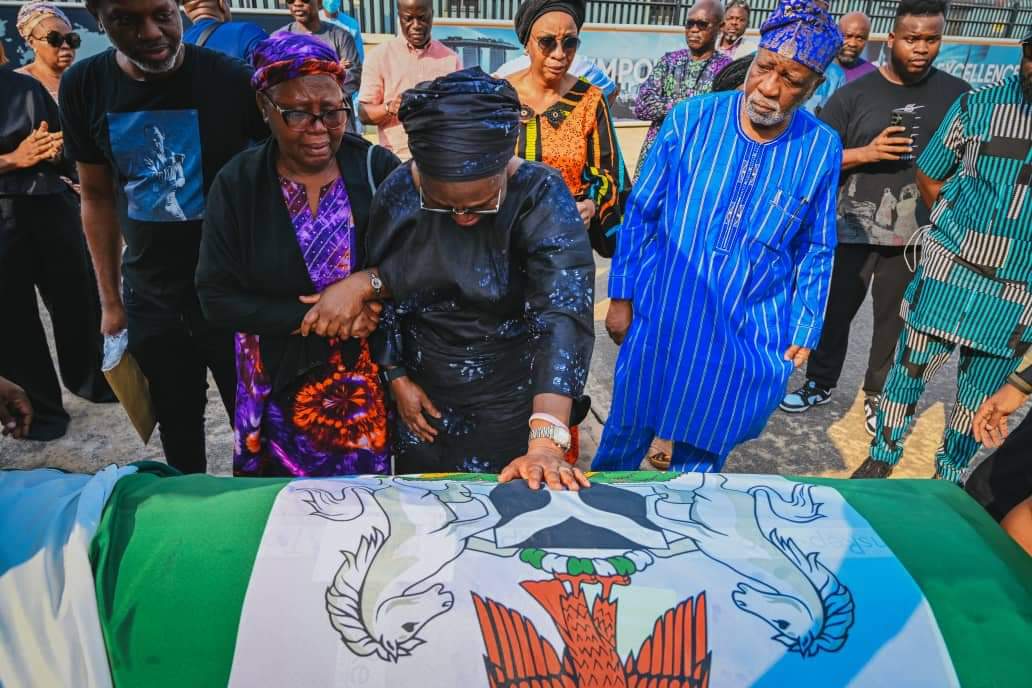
x=919 y=356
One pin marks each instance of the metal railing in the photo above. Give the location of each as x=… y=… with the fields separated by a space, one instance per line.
x=973 y=18
x=969 y=18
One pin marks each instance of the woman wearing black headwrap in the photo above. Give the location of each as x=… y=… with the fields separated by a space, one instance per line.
x=565 y=121
x=489 y=279
x=732 y=77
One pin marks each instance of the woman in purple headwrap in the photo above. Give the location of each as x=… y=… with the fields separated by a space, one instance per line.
x=282 y=244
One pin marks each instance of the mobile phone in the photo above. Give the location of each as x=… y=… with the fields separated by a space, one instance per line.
x=908 y=118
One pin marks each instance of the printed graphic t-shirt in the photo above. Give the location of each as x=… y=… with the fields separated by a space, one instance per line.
x=164 y=141
x=879 y=203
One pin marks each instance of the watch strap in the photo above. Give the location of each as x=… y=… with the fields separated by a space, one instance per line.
x=392 y=374
x=549 y=433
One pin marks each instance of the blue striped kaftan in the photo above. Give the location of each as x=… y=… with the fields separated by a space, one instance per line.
x=726 y=252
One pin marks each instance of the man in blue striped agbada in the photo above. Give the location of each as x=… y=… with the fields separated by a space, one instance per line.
x=724 y=259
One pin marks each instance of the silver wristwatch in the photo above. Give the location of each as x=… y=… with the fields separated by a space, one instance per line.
x=376 y=283
x=558 y=435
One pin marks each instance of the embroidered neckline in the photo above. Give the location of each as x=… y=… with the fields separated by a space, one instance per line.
x=558 y=112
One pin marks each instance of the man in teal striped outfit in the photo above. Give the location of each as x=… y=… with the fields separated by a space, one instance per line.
x=973 y=288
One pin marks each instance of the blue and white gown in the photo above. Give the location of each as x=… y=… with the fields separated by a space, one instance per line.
x=726 y=252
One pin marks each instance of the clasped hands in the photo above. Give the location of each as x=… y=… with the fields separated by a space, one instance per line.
x=39 y=146
x=342 y=310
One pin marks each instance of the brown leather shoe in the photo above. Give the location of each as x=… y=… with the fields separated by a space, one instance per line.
x=872 y=468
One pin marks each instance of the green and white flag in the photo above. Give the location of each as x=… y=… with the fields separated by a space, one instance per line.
x=644 y=579
x=699 y=580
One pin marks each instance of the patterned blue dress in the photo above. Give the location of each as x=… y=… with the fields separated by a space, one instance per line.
x=484 y=317
x=726 y=252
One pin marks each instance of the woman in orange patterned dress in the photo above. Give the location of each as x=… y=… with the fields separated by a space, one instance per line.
x=565 y=123
x=565 y=120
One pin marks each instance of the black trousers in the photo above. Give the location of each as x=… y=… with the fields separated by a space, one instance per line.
x=175 y=348
x=856 y=265
x=1004 y=479
x=42 y=246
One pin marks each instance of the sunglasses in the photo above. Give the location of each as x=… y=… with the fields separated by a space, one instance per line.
x=461 y=211
x=1026 y=48
x=56 y=38
x=548 y=44
x=700 y=24
x=301 y=120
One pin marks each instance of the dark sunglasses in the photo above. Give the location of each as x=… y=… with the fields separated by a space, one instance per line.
x=300 y=120
x=548 y=44
x=56 y=38
x=1026 y=48
x=700 y=24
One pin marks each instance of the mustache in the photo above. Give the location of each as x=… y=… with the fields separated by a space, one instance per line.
x=760 y=99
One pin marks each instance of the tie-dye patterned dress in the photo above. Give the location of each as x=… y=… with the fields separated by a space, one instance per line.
x=333 y=420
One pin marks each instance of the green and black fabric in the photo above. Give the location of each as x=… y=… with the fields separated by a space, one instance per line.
x=974 y=284
x=919 y=357
x=973 y=287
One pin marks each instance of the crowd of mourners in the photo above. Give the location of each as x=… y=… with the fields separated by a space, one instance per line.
x=425 y=304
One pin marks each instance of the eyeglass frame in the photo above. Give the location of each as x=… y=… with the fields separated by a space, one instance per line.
x=574 y=41
x=63 y=38
x=462 y=211
x=311 y=117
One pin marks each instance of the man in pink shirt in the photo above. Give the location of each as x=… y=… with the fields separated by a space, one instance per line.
x=396 y=66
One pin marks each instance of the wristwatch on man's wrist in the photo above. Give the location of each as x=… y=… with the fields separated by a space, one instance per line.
x=389 y=375
x=558 y=435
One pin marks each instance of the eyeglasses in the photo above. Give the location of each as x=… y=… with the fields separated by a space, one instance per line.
x=700 y=24
x=548 y=44
x=461 y=211
x=56 y=38
x=300 y=120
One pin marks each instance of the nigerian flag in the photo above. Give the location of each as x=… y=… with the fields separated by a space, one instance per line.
x=644 y=579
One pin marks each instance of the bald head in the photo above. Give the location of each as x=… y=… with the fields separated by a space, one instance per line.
x=857 y=21
x=855 y=28
x=712 y=9
x=702 y=27
x=410 y=4
x=416 y=18
x=201 y=9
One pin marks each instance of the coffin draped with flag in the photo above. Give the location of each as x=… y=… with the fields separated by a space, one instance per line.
x=645 y=579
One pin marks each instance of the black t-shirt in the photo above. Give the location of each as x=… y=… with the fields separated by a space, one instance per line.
x=25 y=106
x=164 y=140
x=879 y=203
